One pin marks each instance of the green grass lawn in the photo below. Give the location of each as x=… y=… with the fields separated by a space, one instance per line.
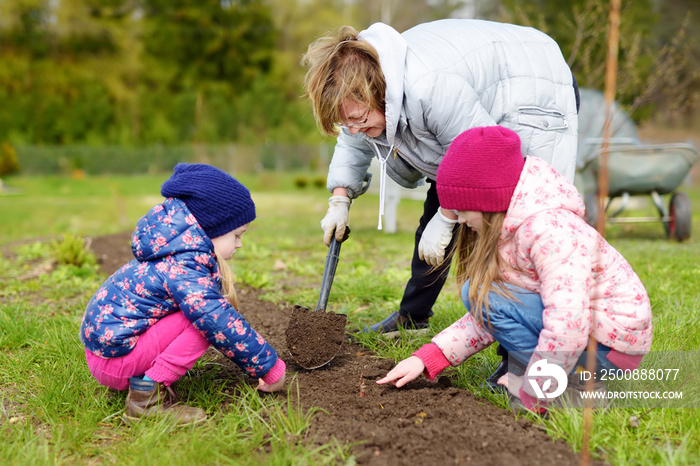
x=53 y=413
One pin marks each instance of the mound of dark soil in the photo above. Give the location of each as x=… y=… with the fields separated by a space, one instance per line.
x=420 y=424
x=314 y=337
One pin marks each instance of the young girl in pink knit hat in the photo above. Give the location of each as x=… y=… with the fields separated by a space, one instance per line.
x=534 y=276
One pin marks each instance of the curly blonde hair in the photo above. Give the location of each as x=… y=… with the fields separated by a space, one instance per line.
x=341 y=67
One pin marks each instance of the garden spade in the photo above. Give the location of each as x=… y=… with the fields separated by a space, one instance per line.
x=314 y=338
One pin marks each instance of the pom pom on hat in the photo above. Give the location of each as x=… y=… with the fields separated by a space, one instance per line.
x=480 y=170
x=218 y=201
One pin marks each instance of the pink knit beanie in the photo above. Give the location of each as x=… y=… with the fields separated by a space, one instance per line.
x=480 y=170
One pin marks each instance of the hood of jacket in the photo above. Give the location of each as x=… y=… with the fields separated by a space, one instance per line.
x=391 y=48
x=167 y=229
x=539 y=188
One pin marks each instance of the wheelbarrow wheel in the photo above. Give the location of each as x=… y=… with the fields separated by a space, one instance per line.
x=680 y=216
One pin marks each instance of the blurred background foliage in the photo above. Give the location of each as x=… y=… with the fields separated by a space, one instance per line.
x=144 y=74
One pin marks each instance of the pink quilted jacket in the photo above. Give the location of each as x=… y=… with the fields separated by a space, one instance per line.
x=581 y=279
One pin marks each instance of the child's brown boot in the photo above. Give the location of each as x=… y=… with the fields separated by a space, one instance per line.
x=149 y=399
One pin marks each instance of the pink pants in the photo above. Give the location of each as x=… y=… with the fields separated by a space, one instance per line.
x=164 y=353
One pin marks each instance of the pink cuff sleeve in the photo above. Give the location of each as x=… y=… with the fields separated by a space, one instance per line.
x=433 y=358
x=625 y=361
x=532 y=403
x=275 y=373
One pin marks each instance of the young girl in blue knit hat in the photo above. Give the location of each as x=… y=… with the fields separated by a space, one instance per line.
x=149 y=322
x=534 y=276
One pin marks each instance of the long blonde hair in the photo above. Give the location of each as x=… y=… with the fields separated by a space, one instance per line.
x=341 y=67
x=479 y=261
x=226 y=276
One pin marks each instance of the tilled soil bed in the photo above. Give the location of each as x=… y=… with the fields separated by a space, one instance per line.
x=420 y=424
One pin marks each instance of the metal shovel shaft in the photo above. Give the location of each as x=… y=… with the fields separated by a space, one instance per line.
x=328 y=274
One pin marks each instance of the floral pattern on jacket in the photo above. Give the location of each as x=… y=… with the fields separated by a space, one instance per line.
x=552 y=251
x=174 y=270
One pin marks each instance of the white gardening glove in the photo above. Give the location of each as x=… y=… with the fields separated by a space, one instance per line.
x=336 y=219
x=436 y=237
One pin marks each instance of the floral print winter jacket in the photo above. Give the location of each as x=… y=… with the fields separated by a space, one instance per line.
x=581 y=279
x=174 y=270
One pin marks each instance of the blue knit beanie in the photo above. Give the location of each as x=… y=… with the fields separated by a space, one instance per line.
x=217 y=200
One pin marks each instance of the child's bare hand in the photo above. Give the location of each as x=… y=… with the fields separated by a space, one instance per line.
x=512 y=382
x=269 y=388
x=405 y=371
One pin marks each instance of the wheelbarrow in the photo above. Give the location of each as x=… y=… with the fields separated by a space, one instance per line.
x=314 y=338
x=634 y=169
x=652 y=170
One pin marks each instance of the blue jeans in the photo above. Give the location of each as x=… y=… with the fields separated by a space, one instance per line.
x=516 y=325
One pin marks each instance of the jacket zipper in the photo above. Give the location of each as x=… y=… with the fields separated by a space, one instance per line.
x=407 y=160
